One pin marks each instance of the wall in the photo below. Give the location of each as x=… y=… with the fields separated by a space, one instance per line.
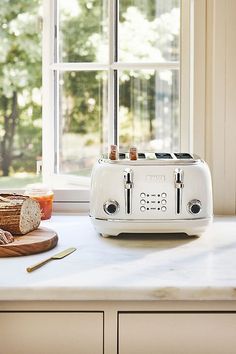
x=220 y=122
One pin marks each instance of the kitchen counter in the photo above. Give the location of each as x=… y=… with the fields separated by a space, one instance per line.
x=137 y=267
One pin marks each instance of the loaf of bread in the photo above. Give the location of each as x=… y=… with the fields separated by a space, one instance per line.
x=19 y=214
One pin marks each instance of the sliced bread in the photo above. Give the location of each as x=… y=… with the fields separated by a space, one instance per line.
x=19 y=214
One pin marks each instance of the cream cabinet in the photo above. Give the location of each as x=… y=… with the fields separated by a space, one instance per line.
x=51 y=332
x=177 y=333
x=118 y=327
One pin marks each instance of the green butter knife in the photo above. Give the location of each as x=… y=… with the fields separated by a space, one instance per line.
x=56 y=256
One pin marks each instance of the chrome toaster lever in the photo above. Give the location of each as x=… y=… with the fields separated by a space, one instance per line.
x=179 y=185
x=128 y=185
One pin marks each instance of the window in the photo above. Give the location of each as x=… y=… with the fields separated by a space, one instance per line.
x=114 y=71
x=157 y=74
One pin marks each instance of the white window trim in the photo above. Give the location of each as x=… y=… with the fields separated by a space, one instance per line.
x=185 y=94
x=198 y=67
x=220 y=141
x=214 y=97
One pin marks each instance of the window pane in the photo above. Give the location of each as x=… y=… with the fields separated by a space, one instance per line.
x=20 y=92
x=149 y=30
x=83 y=31
x=149 y=110
x=83 y=121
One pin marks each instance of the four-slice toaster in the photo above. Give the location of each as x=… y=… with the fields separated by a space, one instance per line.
x=157 y=193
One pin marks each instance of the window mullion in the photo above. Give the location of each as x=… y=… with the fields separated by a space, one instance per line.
x=146 y=65
x=79 y=66
x=56 y=31
x=56 y=121
x=48 y=90
x=56 y=90
x=185 y=75
x=112 y=74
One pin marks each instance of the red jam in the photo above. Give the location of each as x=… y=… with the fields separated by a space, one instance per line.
x=45 y=202
x=44 y=196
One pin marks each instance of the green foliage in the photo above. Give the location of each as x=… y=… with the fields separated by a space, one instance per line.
x=83 y=33
x=82 y=97
x=82 y=21
x=20 y=74
x=148 y=32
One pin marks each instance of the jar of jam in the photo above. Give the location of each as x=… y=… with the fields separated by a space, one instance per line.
x=44 y=196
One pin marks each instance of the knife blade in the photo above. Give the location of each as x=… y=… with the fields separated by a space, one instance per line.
x=59 y=255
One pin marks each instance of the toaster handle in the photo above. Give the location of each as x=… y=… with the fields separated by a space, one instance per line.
x=128 y=185
x=179 y=185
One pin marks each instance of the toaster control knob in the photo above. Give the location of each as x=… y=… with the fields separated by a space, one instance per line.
x=111 y=207
x=194 y=206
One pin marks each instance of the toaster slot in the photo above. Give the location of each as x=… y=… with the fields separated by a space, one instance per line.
x=122 y=156
x=163 y=155
x=178 y=201
x=179 y=185
x=141 y=155
x=128 y=202
x=183 y=155
x=128 y=185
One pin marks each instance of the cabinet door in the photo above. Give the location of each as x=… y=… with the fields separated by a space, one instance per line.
x=51 y=332
x=177 y=333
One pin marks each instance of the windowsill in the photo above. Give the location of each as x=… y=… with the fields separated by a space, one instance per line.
x=138 y=267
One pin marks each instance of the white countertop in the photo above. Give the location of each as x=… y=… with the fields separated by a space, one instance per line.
x=137 y=267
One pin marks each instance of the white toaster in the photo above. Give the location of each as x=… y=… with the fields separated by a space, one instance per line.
x=157 y=193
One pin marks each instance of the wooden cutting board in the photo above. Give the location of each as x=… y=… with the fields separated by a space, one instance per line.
x=36 y=241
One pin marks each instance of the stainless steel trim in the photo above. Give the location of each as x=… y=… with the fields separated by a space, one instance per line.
x=151 y=220
x=128 y=185
x=179 y=185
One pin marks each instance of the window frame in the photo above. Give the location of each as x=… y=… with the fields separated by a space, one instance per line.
x=51 y=30
x=192 y=97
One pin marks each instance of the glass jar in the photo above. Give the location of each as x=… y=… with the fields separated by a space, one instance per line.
x=44 y=196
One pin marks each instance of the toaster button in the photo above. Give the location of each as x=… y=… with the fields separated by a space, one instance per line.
x=142 y=208
x=142 y=201
x=164 y=195
x=111 y=207
x=142 y=195
x=194 y=206
x=163 y=202
x=163 y=208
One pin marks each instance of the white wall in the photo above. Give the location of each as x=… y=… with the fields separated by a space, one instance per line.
x=220 y=122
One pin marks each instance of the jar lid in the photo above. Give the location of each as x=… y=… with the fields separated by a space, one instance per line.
x=37 y=189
